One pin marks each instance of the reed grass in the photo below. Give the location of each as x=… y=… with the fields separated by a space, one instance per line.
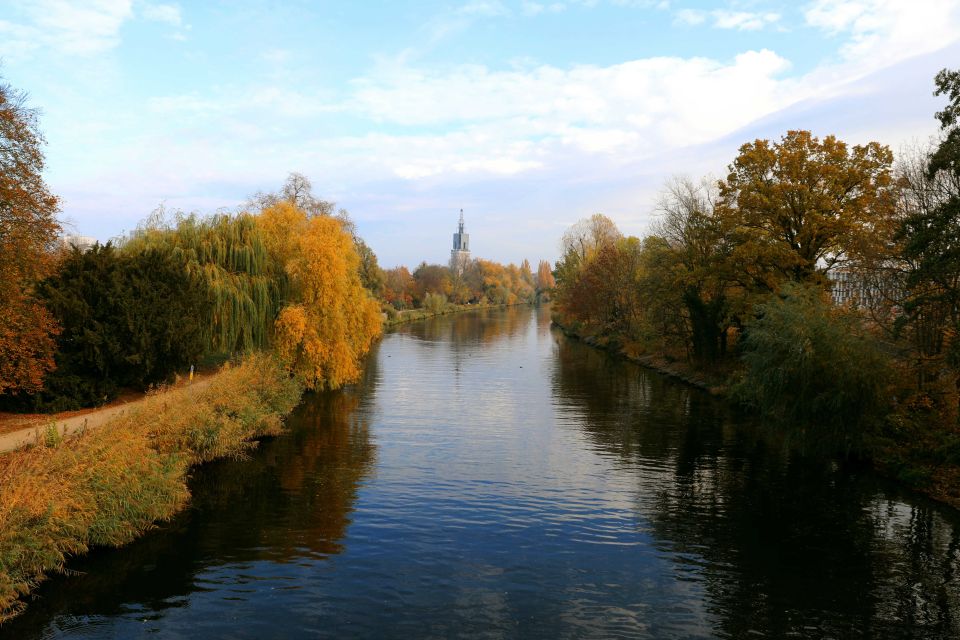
x=109 y=485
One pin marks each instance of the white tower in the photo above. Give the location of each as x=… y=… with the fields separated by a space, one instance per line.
x=460 y=255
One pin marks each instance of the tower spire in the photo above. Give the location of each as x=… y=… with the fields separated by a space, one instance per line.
x=460 y=255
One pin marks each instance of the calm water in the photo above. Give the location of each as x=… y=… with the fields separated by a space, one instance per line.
x=489 y=478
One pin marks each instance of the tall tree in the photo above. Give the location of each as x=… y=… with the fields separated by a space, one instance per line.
x=701 y=271
x=28 y=231
x=296 y=190
x=802 y=206
x=545 y=281
x=931 y=234
x=330 y=320
x=129 y=319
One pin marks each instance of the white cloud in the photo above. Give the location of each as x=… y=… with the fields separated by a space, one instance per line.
x=881 y=31
x=69 y=27
x=727 y=19
x=166 y=13
x=691 y=17
x=743 y=20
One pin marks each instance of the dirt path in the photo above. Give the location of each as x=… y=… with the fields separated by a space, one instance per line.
x=71 y=423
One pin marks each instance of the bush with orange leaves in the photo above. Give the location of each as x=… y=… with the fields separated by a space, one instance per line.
x=109 y=485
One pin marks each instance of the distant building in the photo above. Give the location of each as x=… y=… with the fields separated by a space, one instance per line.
x=853 y=289
x=83 y=243
x=460 y=255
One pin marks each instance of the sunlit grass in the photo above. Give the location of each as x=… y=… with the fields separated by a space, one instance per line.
x=109 y=485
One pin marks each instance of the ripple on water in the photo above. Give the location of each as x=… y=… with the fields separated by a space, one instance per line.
x=490 y=479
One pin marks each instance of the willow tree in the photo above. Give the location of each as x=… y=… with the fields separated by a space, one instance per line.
x=330 y=320
x=244 y=284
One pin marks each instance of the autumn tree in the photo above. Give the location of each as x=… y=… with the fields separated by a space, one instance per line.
x=398 y=287
x=578 y=246
x=801 y=206
x=700 y=271
x=586 y=236
x=431 y=278
x=545 y=280
x=330 y=320
x=296 y=190
x=28 y=231
x=577 y=277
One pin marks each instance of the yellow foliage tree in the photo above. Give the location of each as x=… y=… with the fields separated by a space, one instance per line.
x=330 y=320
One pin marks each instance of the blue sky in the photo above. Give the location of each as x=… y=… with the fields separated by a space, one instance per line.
x=528 y=115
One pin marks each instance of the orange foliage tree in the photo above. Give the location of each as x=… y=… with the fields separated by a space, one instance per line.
x=801 y=206
x=28 y=230
x=330 y=320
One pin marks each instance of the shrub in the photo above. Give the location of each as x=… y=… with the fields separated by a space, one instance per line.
x=812 y=365
x=435 y=303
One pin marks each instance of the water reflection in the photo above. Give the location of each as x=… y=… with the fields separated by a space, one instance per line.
x=477 y=328
x=290 y=501
x=786 y=545
x=490 y=478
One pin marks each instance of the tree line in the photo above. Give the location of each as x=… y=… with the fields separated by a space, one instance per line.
x=477 y=281
x=287 y=273
x=820 y=280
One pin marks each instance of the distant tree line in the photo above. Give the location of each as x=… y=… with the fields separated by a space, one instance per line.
x=477 y=282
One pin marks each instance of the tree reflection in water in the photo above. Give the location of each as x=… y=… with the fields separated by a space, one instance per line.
x=790 y=544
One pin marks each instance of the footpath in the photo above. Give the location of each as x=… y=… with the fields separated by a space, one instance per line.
x=71 y=423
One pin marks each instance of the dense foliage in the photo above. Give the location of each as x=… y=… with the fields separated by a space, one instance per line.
x=330 y=319
x=807 y=362
x=738 y=276
x=129 y=320
x=244 y=286
x=477 y=281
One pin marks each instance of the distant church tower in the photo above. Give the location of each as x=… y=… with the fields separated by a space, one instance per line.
x=460 y=255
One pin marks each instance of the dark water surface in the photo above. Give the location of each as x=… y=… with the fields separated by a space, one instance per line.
x=489 y=478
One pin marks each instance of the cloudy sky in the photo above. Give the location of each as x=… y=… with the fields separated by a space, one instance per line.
x=528 y=115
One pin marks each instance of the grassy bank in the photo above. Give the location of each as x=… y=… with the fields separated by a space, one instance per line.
x=413 y=315
x=109 y=485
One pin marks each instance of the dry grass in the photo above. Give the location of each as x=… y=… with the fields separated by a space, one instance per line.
x=108 y=486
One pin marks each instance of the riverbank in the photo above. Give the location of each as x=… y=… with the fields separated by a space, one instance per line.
x=715 y=385
x=413 y=315
x=908 y=447
x=106 y=486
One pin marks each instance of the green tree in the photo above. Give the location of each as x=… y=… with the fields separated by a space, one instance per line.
x=702 y=271
x=810 y=364
x=244 y=285
x=129 y=319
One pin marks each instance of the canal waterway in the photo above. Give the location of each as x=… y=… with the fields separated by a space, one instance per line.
x=490 y=478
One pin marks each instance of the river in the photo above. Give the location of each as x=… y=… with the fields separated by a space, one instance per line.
x=489 y=478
